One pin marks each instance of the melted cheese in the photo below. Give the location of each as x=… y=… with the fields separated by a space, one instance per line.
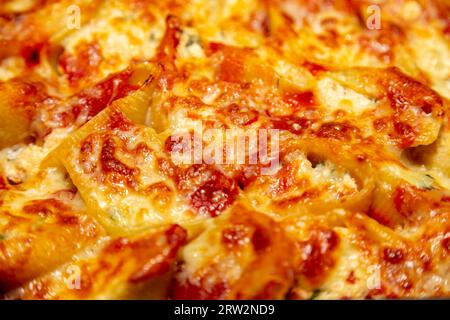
x=356 y=206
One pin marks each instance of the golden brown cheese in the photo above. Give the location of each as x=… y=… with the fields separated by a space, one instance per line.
x=241 y=255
